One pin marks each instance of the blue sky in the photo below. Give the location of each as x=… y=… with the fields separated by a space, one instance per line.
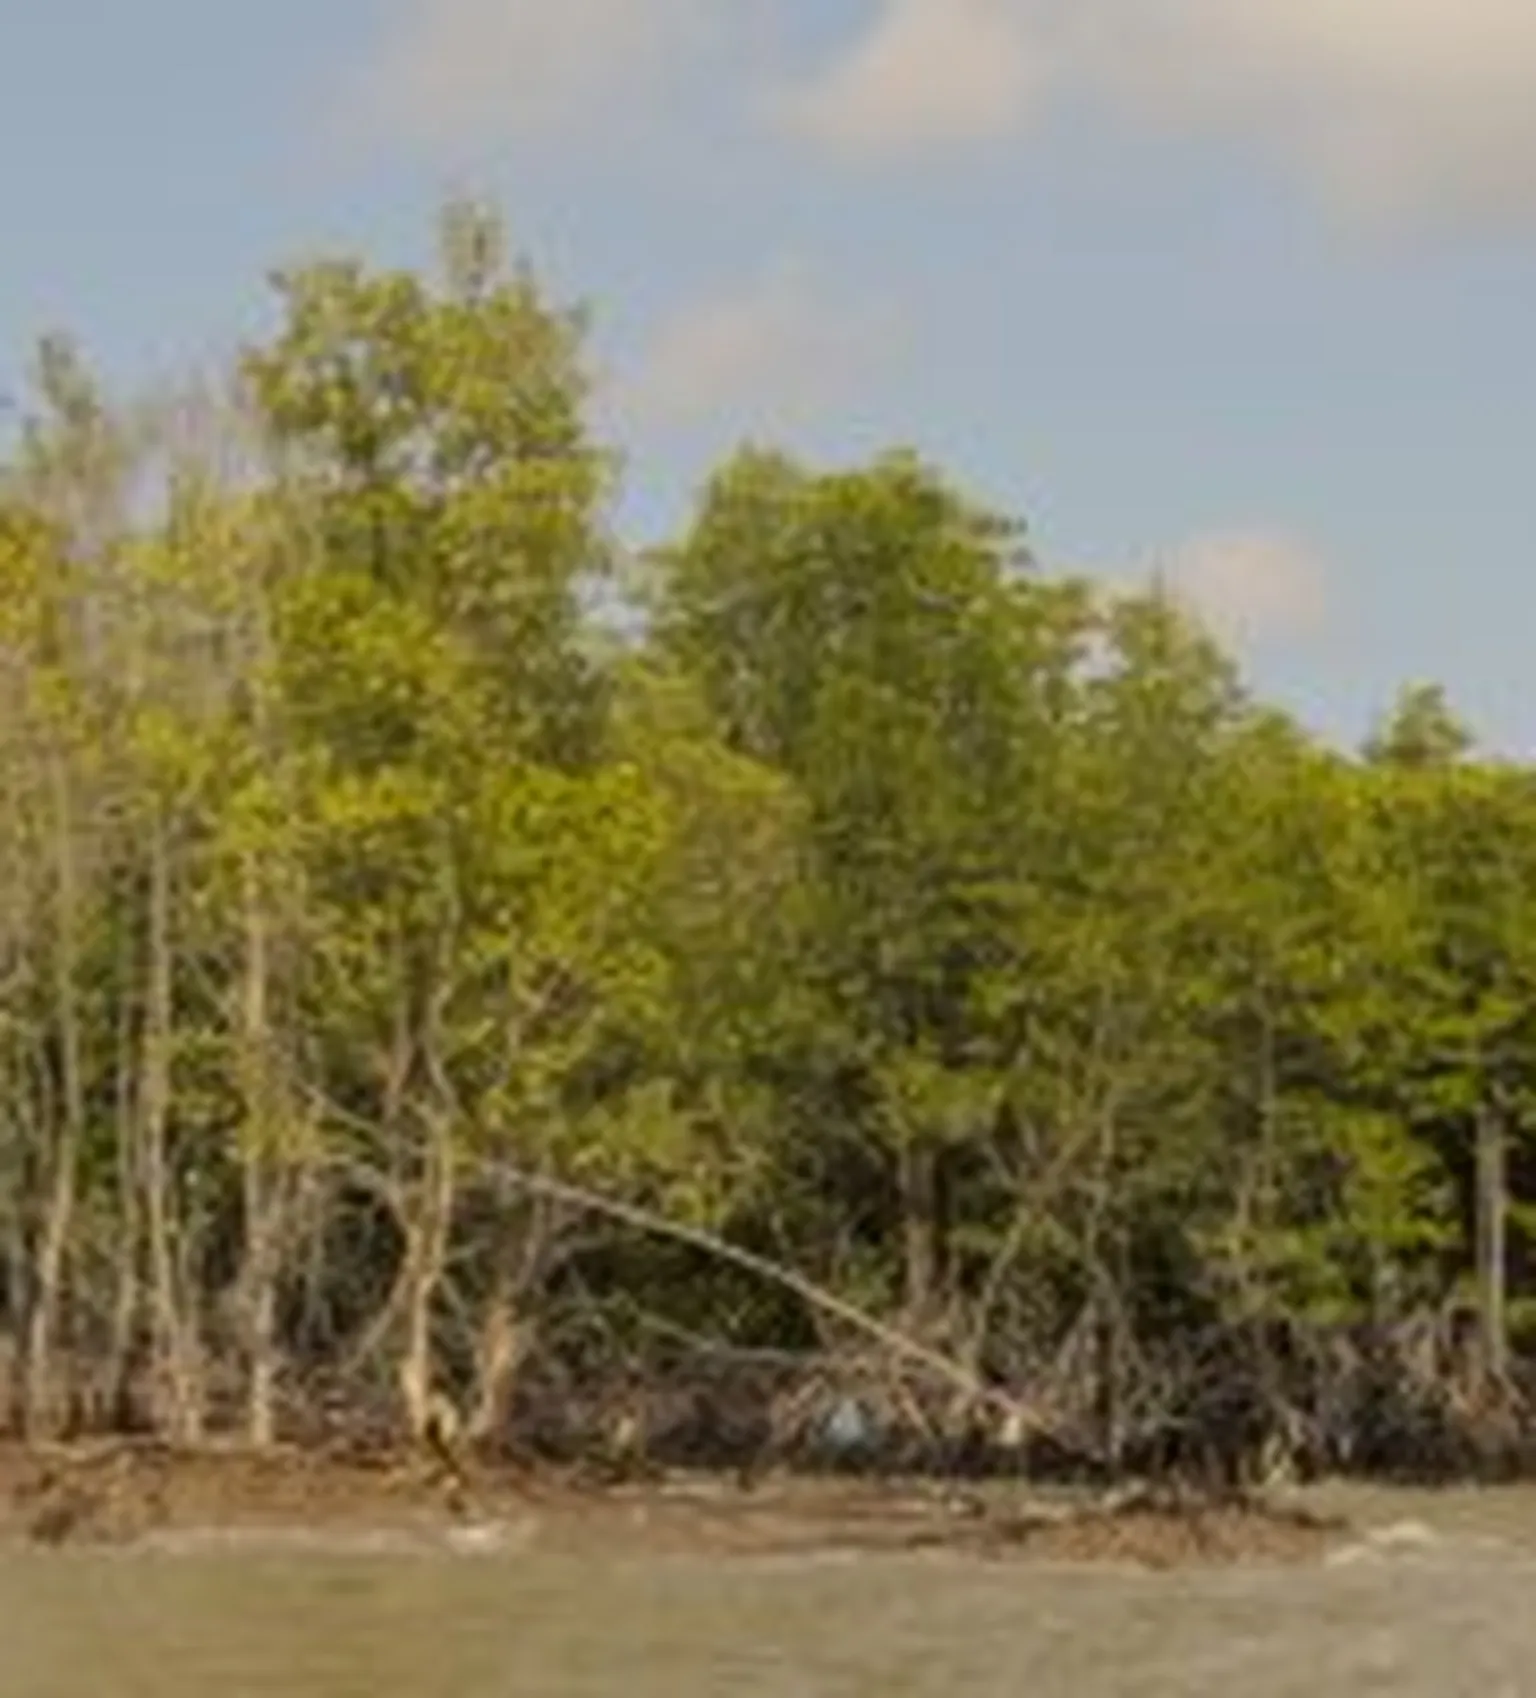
x=1244 y=289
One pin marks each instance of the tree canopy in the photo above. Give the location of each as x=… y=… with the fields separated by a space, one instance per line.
x=952 y=933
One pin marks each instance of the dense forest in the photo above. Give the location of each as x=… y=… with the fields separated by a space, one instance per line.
x=444 y=956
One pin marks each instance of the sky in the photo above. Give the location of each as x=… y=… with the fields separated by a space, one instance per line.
x=1241 y=291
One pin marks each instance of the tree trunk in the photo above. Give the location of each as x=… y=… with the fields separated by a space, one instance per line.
x=1492 y=1225
x=123 y=1358
x=427 y=1253
x=261 y=1405
x=43 y=1403
x=261 y=1183
x=505 y=1344
x=506 y=1331
x=175 y=1367
x=916 y=1178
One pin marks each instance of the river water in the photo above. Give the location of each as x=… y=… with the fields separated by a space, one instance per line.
x=1438 y=1607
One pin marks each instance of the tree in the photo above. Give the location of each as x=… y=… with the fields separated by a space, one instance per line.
x=874 y=637
x=477 y=867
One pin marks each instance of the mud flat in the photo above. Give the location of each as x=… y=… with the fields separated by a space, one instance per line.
x=154 y=1498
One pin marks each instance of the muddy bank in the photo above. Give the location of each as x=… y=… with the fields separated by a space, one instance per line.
x=134 y=1494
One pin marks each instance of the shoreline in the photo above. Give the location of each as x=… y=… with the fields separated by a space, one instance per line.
x=150 y=1497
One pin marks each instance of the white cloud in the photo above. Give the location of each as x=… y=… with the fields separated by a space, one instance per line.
x=769 y=354
x=931 y=72
x=446 y=72
x=1251 y=586
x=1388 y=107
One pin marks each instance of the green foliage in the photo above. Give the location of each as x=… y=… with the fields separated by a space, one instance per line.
x=962 y=934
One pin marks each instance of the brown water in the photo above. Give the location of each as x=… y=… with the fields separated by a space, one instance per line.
x=1444 y=1609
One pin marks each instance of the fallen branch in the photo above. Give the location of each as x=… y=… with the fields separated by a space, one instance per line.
x=1018 y=1416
